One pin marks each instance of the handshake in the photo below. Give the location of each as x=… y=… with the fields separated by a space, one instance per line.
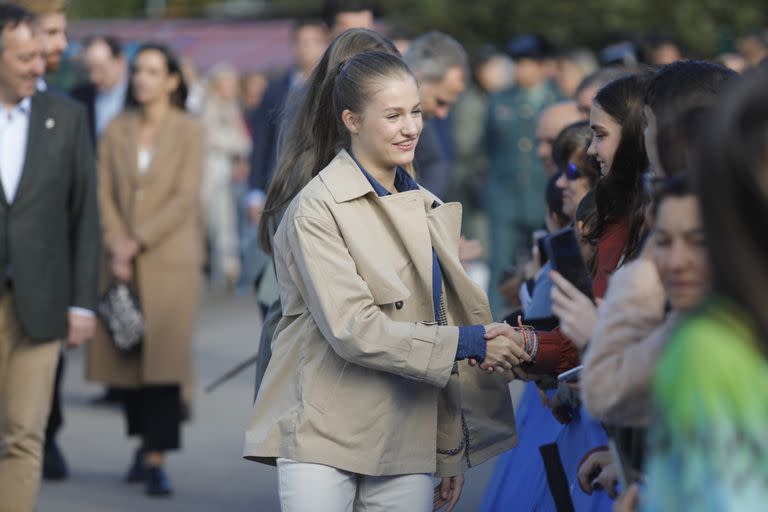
x=507 y=347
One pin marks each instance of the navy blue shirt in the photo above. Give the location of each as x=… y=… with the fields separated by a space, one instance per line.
x=471 y=337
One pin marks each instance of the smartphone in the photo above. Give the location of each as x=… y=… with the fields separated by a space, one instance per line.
x=565 y=254
x=571 y=375
x=622 y=469
x=543 y=258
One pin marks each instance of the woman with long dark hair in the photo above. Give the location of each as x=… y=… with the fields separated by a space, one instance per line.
x=297 y=160
x=618 y=147
x=618 y=144
x=150 y=167
x=365 y=397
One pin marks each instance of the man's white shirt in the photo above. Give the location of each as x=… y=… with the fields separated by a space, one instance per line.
x=14 y=129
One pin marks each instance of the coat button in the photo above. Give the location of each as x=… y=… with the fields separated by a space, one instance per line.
x=399 y=304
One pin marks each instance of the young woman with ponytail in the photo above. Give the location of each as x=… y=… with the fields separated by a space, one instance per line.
x=367 y=396
x=296 y=164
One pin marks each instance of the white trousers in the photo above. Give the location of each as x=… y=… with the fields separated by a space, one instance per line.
x=317 y=488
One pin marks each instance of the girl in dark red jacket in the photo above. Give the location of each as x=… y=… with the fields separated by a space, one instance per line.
x=618 y=145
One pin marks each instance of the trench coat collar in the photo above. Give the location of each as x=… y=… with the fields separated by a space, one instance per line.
x=344 y=179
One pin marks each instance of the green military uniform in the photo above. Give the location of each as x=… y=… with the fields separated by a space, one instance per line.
x=516 y=178
x=470 y=167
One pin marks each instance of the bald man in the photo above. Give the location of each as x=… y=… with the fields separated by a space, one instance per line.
x=551 y=121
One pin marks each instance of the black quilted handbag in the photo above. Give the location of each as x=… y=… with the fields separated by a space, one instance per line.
x=121 y=314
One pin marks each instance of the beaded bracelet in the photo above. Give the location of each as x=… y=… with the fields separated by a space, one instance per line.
x=526 y=340
x=530 y=338
x=535 y=345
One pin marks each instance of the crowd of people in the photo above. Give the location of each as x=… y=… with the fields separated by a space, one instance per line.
x=396 y=208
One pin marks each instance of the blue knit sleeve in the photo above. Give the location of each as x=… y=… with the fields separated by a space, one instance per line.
x=471 y=343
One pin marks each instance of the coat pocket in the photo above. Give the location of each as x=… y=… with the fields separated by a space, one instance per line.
x=391 y=290
x=320 y=389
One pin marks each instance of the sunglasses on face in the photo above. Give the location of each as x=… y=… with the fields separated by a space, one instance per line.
x=572 y=172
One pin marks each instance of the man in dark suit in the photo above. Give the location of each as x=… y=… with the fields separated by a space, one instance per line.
x=442 y=68
x=266 y=123
x=310 y=39
x=51 y=17
x=105 y=93
x=49 y=249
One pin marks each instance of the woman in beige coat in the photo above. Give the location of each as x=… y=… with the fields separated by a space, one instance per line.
x=150 y=167
x=364 y=398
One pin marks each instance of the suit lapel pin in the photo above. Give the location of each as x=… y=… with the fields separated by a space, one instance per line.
x=50 y=123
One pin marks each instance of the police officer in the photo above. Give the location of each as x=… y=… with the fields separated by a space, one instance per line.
x=516 y=178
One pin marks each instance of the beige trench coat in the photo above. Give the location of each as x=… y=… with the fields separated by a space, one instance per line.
x=161 y=209
x=361 y=376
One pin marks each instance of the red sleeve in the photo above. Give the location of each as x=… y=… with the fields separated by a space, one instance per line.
x=609 y=251
x=556 y=354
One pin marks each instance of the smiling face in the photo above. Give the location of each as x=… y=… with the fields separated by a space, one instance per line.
x=21 y=63
x=605 y=139
x=437 y=98
x=385 y=133
x=680 y=252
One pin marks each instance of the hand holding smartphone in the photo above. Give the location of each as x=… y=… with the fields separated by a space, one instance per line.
x=565 y=254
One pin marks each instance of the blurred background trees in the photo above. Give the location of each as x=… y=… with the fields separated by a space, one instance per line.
x=705 y=27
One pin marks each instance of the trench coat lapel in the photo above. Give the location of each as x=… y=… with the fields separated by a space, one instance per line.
x=405 y=211
x=444 y=223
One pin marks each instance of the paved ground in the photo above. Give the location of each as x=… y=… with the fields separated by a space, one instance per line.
x=208 y=474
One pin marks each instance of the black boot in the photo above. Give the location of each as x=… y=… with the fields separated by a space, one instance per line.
x=158 y=483
x=54 y=465
x=138 y=470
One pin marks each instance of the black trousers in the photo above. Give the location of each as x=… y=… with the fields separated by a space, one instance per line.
x=154 y=414
x=55 y=417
